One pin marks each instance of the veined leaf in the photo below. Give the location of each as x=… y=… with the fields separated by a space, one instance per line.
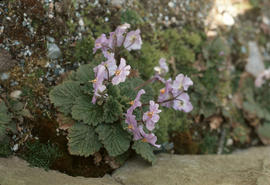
x=112 y=110
x=114 y=138
x=84 y=110
x=144 y=150
x=82 y=140
x=63 y=96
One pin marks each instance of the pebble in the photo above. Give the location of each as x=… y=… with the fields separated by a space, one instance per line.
x=16 y=94
x=15 y=147
x=5 y=76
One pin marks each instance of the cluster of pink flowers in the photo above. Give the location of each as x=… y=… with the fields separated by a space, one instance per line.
x=150 y=117
x=261 y=78
x=173 y=95
x=108 y=70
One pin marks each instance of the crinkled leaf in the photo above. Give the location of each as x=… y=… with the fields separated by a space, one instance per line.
x=144 y=150
x=85 y=73
x=115 y=139
x=256 y=109
x=4 y=116
x=63 y=96
x=264 y=133
x=5 y=120
x=112 y=110
x=113 y=90
x=84 y=110
x=82 y=140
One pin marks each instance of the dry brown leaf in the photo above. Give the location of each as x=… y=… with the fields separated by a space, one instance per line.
x=215 y=122
x=97 y=158
x=64 y=122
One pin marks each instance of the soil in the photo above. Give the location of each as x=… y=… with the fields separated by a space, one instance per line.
x=72 y=165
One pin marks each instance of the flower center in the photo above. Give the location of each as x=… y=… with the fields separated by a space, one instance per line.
x=150 y=114
x=133 y=38
x=94 y=81
x=181 y=103
x=130 y=127
x=98 y=45
x=131 y=103
x=162 y=91
x=117 y=72
x=180 y=86
x=144 y=140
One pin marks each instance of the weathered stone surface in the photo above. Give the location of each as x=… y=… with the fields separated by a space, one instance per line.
x=6 y=61
x=14 y=171
x=255 y=64
x=251 y=167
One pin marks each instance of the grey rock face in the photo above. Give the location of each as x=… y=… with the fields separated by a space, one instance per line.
x=14 y=171
x=251 y=167
x=245 y=168
x=255 y=64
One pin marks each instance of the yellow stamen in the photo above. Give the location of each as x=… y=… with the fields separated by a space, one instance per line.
x=98 y=45
x=180 y=86
x=131 y=103
x=117 y=72
x=133 y=38
x=130 y=127
x=150 y=114
x=162 y=91
x=94 y=81
x=144 y=140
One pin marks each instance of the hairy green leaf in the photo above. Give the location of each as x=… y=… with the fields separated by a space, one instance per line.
x=4 y=117
x=85 y=73
x=84 y=110
x=112 y=110
x=82 y=140
x=63 y=96
x=114 y=138
x=144 y=150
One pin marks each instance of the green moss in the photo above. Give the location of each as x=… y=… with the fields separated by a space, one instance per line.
x=170 y=121
x=5 y=150
x=41 y=155
x=84 y=49
x=209 y=144
x=131 y=17
x=146 y=60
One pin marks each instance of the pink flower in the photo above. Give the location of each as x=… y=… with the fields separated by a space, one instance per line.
x=98 y=82
x=166 y=94
x=260 y=80
x=121 y=73
x=132 y=126
x=151 y=116
x=117 y=37
x=136 y=103
x=133 y=40
x=163 y=68
x=148 y=138
x=110 y=64
x=101 y=43
x=182 y=103
x=181 y=83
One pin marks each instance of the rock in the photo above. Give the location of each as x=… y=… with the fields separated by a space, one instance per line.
x=118 y=3
x=6 y=61
x=15 y=94
x=255 y=64
x=251 y=167
x=14 y=171
x=53 y=51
